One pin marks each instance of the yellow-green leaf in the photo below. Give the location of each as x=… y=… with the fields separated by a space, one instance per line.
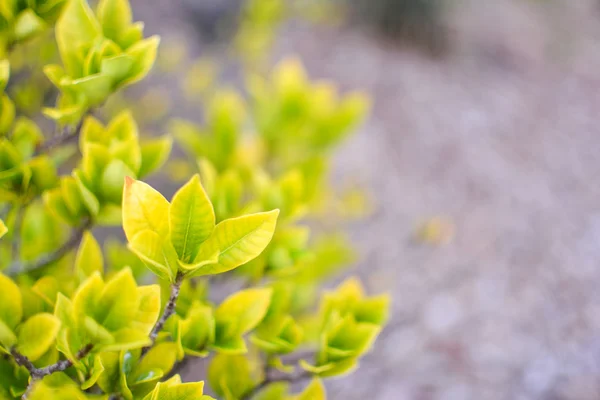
x=37 y=334
x=154 y=154
x=11 y=306
x=149 y=308
x=238 y=240
x=162 y=356
x=144 y=209
x=244 y=309
x=156 y=252
x=191 y=219
x=144 y=54
x=314 y=391
x=114 y=16
x=118 y=301
x=27 y=25
x=76 y=28
x=4 y=74
x=3 y=229
x=178 y=391
x=89 y=257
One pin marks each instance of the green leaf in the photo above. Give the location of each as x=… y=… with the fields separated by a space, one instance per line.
x=7 y=114
x=112 y=180
x=160 y=357
x=229 y=345
x=191 y=219
x=76 y=28
x=117 y=68
x=97 y=370
x=4 y=74
x=128 y=339
x=197 y=329
x=144 y=54
x=11 y=307
x=89 y=257
x=374 y=310
x=178 y=391
x=3 y=229
x=118 y=301
x=7 y=337
x=47 y=289
x=238 y=240
x=37 y=335
x=230 y=376
x=314 y=391
x=148 y=309
x=89 y=199
x=114 y=16
x=154 y=154
x=27 y=25
x=144 y=209
x=244 y=310
x=95 y=88
x=353 y=337
x=108 y=381
x=156 y=252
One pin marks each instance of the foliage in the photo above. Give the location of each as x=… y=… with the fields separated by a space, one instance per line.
x=79 y=320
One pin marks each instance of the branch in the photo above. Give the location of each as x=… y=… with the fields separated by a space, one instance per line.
x=169 y=310
x=53 y=257
x=270 y=379
x=40 y=373
x=67 y=135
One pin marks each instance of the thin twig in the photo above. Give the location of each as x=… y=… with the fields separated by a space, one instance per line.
x=53 y=257
x=270 y=379
x=39 y=373
x=68 y=134
x=16 y=243
x=169 y=310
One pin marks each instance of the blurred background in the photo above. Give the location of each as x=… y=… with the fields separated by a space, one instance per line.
x=479 y=161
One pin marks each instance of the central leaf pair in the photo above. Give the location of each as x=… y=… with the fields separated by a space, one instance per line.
x=180 y=238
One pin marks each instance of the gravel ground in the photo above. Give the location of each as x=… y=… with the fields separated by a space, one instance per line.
x=501 y=136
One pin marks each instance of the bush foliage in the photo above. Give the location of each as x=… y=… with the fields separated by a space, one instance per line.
x=79 y=321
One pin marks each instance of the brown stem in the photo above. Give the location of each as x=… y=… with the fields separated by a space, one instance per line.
x=270 y=379
x=40 y=373
x=68 y=134
x=169 y=310
x=57 y=255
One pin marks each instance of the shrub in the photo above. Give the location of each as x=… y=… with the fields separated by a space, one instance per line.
x=78 y=321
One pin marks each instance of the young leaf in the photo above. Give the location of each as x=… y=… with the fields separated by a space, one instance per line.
x=76 y=27
x=157 y=253
x=3 y=229
x=244 y=310
x=144 y=54
x=89 y=257
x=118 y=301
x=37 y=334
x=154 y=154
x=149 y=308
x=230 y=376
x=314 y=391
x=171 y=390
x=161 y=357
x=144 y=209
x=114 y=16
x=238 y=240
x=11 y=307
x=191 y=219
